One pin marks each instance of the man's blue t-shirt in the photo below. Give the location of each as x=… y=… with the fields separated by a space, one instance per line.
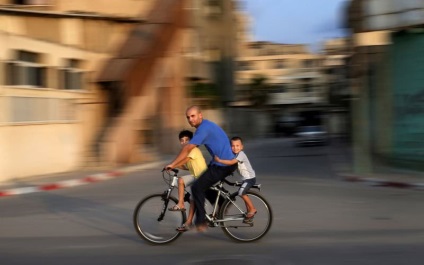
x=215 y=140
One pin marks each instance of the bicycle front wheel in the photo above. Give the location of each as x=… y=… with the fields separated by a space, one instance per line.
x=154 y=222
x=232 y=217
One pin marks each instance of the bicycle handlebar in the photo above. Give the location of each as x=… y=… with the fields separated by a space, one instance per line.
x=173 y=170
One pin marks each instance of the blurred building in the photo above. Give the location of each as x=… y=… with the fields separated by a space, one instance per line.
x=387 y=82
x=292 y=72
x=292 y=77
x=103 y=82
x=337 y=55
x=211 y=52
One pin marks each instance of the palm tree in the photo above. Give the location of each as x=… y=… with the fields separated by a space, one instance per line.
x=258 y=91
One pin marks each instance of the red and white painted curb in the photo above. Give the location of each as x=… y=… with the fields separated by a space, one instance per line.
x=62 y=184
x=79 y=181
x=376 y=182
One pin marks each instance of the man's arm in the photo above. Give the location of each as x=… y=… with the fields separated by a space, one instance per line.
x=226 y=162
x=185 y=151
x=181 y=165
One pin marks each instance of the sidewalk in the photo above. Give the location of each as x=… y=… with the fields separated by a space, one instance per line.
x=339 y=156
x=382 y=175
x=389 y=177
x=70 y=179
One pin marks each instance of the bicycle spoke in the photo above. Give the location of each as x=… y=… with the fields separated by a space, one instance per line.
x=236 y=229
x=151 y=225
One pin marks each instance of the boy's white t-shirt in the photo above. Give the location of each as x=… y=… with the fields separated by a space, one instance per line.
x=244 y=167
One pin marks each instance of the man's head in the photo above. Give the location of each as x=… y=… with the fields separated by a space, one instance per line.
x=194 y=116
x=236 y=144
x=185 y=137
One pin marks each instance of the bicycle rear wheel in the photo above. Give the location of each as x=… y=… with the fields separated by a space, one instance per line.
x=233 y=225
x=154 y=222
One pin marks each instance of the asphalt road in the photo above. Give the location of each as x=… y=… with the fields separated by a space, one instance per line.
x=318 y=219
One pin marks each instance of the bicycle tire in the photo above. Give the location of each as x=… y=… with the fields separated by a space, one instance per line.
x=146 y=219
x=239 y=231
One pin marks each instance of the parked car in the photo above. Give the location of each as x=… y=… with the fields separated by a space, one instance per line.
x=286 y=126
x=311 y=135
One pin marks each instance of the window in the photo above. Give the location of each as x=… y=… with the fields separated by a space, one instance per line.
x=25 y=70
x=279 y=64
x=279 y=89
x=308 y=63
x=255 y=45
x=71 y=75
x=31 y=2
x=244 y=66
x=307 y=88
x=213 y=8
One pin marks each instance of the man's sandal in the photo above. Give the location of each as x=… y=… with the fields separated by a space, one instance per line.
x=202 y=228
x=184 y=228
x=176 y=208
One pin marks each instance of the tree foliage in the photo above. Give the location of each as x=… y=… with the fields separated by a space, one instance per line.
x=207 y=93
x=258 y=91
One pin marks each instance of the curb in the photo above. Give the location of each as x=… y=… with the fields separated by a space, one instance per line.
x=375 y=182
x=62 y=184
x=78 y=181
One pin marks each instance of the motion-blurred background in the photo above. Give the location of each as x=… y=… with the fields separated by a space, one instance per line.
x=102 y=83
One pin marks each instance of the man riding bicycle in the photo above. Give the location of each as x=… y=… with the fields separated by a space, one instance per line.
x=217 y=143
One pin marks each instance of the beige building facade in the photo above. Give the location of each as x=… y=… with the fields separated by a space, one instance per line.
x=97 y=81
x=50 y=105
x=291 y=77
x=291 y=71
x=337 y=55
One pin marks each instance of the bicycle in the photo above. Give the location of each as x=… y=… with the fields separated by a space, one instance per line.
x=157 y=225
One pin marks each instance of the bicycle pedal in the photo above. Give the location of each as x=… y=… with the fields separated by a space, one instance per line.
x=211 y=224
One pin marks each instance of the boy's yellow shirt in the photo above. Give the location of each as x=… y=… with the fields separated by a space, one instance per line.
x=197 y=164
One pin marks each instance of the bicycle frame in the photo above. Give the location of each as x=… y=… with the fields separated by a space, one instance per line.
x=224 y=194
x=156 y=223
x=221 y=192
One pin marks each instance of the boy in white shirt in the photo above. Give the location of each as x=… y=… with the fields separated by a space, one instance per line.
x=246 y=171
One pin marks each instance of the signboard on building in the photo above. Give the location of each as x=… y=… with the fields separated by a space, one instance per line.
x=392 y=14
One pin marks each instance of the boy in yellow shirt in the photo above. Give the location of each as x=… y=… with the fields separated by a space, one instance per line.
x=196 y=164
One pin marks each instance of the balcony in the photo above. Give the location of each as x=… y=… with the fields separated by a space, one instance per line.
x=290 y=98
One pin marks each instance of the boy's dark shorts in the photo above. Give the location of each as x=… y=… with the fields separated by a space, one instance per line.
x=246 y=185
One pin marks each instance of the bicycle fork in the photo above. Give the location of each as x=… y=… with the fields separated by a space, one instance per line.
x=165 y=197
